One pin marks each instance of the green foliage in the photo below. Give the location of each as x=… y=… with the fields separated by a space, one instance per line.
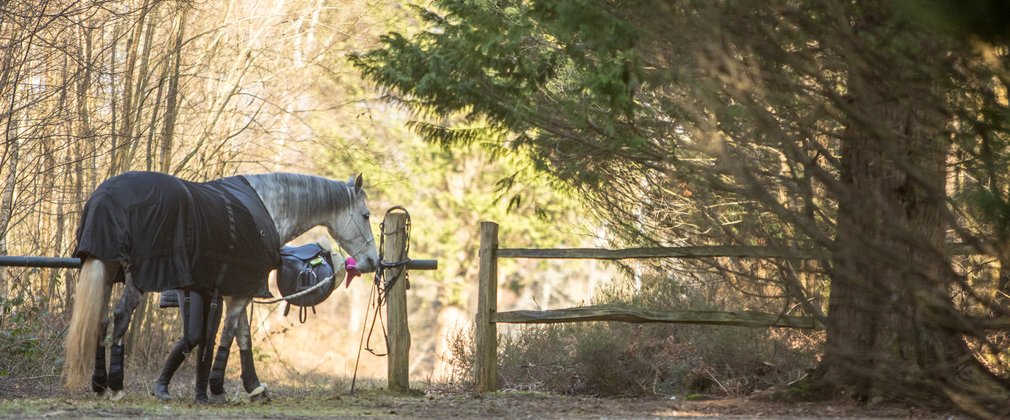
x=985 y=19
x=544 y=72
x=615 y=101
x=990 y=208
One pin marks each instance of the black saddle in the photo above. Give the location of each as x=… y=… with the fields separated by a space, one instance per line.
x=303 y=267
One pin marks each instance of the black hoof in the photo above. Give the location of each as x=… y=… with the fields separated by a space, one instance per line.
x=99 y=384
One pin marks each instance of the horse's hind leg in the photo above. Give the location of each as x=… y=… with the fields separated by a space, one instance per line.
x=121 y=322
x=250 y=381
x=236 y=307
x=100 y=379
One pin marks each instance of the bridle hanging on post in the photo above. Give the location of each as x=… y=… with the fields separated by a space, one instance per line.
x=382 y=285
x=380 y=271
x=382 y=282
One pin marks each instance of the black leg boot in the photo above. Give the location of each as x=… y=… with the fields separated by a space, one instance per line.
x=213 y=321
x=250 y=381
x=99 y=380
x=116 y=367
x=116 y=372
x=217 y=375
x=175 y=359
x=203 y=362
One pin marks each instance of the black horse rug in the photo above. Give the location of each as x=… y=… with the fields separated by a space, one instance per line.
x=176 y=234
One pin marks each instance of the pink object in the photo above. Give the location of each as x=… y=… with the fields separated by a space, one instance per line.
x=352 y=270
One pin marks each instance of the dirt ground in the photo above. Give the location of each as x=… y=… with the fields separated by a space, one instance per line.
x=370 y=401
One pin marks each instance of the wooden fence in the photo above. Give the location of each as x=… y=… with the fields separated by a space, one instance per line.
x=486 y=357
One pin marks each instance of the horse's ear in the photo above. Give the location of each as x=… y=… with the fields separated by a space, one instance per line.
x=358 y=183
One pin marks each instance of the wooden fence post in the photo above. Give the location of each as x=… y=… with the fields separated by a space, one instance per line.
x=398 y=344
x=486 y=359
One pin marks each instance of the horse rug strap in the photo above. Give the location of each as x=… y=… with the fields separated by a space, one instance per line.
x=302 y=267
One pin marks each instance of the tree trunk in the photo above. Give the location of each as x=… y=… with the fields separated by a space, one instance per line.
x=7 y=198
x=137 y=78
x=172 y=97
x=151 y=128
x=891 y=325
x=113 y=85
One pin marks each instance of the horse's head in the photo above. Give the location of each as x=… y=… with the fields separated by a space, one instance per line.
x=353 y=231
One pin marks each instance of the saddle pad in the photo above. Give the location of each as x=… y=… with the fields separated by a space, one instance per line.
x=179 y=234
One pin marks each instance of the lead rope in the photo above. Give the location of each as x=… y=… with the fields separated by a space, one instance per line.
x=357 y=361
x=376 y=316
x=382 y=288
x=323 y=283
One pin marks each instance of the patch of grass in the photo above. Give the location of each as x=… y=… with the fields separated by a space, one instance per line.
x=696 y=397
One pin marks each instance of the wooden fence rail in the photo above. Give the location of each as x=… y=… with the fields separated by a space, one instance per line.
x=768 y=252
x=623 y=313
x=667 y=252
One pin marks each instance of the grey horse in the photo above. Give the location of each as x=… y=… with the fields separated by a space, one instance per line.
x=219 y=238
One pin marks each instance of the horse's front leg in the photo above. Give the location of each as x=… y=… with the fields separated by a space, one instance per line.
x=212 y=320
x=236 y=307
x=250 y=381
x=121 y=322
x=191 y=309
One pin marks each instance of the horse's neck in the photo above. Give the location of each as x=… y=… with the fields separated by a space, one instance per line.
x=299 y=202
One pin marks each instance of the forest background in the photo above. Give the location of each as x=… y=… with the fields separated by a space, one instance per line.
x=872 y=134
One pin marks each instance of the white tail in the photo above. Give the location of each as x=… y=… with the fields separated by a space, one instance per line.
x=90 y=303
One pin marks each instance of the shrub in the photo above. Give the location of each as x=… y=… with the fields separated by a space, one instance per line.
x=619 y=359
x=30 y=345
